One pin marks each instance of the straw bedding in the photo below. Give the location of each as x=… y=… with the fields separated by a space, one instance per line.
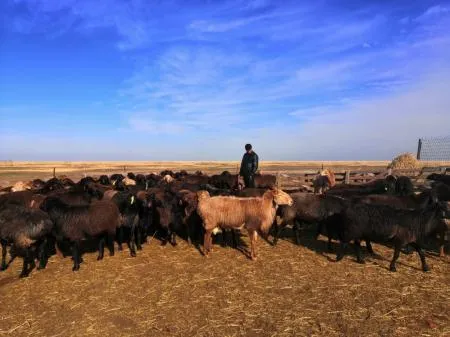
x=175 y=291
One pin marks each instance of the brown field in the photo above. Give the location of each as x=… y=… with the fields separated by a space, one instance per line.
x=175 y=291
x=11 y=172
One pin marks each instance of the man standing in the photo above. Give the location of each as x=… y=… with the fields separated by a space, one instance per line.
x=249 y=166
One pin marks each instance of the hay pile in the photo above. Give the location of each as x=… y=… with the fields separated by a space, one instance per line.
x=404 y=161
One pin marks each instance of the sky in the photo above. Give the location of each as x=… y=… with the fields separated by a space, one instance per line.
x=198 y=79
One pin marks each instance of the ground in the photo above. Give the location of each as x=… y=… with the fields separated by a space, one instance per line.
x=175 y=291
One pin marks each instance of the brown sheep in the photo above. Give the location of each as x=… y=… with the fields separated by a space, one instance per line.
x=324 y=181
x=20 y=186
x=255 y=214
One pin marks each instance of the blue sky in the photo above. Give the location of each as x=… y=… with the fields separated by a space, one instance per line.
x=196 y=80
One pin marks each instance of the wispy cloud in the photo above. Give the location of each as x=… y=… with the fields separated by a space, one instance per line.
x=433 y=12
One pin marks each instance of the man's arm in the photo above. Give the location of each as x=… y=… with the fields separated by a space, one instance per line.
x=241 y=170
x=255 y=163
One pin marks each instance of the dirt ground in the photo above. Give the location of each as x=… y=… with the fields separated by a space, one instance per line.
x=175 y=291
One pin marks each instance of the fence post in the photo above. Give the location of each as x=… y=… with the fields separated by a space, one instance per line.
x=347 y=177
x=419 y=148
x=54 y=172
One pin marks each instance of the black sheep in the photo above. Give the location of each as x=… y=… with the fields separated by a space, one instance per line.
x=378 y=186
x=167 y=172
x=104 y=180
x=404 y=186
x=26 y=230
x=116 y=177
x=23 y=198
x=86 y=181
x=52 y=185
x=140 y=180
x=442 y=191
x=383 y=224
x=443 y=178
x=130 y=209
x=76 y=223
x=164 y=216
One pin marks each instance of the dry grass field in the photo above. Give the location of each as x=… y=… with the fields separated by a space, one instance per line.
x=11 y=172
x=175 y=291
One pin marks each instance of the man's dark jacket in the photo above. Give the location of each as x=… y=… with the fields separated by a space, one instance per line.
x=249 y=164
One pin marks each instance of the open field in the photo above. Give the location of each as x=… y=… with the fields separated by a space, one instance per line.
x=175 y=291
x=11 y=172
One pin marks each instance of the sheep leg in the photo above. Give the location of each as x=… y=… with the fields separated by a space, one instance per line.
x=110 y=243
x=253 y=240
x=188 y=234
x=223 y=238
x=165 y=236
x=25 y=266
x=132 y=241
x=138 y=237
x=419 y=250
x=442 y=244
x=398 y=247
x=120 y=238
x=319 y=230
x=234 y=236
x=369 y=247
x=76 y=256
x=359 y=257
x=296 y=228
x=207 y=242
x=330 y=244
x=276 y=234
x=43 y=255
x=27 y=260
x=101 y=248
x=340 y=255
x=4 y=251
x=173 y=238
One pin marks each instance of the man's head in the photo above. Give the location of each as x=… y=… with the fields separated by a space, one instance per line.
x=248 y=148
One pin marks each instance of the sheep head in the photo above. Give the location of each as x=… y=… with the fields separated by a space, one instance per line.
x=279 y=197
x=202 y=195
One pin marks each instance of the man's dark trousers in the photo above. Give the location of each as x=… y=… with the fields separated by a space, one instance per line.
x=249 y=181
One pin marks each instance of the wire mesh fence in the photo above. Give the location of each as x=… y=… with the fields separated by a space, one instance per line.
x=434 y=149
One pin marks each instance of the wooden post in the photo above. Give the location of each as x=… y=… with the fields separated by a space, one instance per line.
x=419 y=149
x=347 y=177
x=54 y=172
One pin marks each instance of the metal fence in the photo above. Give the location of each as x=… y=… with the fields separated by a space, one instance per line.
x=434 y=149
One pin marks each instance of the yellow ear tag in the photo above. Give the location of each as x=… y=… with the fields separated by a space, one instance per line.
x=132 y=199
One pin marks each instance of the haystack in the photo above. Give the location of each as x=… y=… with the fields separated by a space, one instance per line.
x=404 y=161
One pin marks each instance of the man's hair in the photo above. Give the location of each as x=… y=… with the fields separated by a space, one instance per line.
x=248 y=147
